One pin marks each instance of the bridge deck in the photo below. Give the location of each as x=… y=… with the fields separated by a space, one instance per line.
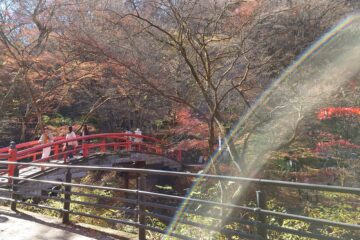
x=28 y=226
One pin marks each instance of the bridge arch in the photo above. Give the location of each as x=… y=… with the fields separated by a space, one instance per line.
x=90 y=145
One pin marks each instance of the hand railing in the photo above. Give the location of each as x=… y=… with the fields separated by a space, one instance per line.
x=144 y=204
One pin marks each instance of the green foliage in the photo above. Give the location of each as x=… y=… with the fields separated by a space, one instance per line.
x=46 y=119
x=291 y=224
x=165 y=188
x=56 y=120
x=48 y=212
x=92 y=120
x=337 y=207
x=159 y=123
x=273 y=205
x=333 y=207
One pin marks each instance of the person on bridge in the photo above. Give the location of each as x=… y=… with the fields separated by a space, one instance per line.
x=46 y=138
x=72 y=144
x=129 y=132
x=138 y=132
x=85 y=132
x=138 y=140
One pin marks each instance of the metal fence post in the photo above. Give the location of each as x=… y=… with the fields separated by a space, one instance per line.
x=141 y=218
x=260 y=217
x=67 y=197
x=14 y=188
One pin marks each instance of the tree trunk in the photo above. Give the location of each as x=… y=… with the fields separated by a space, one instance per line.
x=230 y=147
x=33 y=99
x=211 y=140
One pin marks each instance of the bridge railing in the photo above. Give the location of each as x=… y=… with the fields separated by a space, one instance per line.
x=32 y=151
x=141 y=206
x=25 y=145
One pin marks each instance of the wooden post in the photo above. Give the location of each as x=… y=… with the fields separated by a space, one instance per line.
x=14 y=188
x=260 y=217
x=67 y=198
x=12 y=158
x=141 y=181
x=141 y=185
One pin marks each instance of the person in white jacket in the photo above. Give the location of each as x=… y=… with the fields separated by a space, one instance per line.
x=72 y=144
x=46 y=138
x=138 y=132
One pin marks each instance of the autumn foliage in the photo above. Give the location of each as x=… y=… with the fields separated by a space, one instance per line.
x=195 y=130
x=333 y=140
x=330 y=112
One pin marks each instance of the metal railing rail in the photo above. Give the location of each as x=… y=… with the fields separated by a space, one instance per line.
x=260 y=181
x=141 y=207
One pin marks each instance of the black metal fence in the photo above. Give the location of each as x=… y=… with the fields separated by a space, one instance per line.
x=139 y=203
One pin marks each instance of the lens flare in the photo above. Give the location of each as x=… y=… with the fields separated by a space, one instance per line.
x=274 y=121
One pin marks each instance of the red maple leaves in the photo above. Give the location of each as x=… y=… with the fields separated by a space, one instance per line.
x=324 y=146
x=330 y=112
x=193 y=128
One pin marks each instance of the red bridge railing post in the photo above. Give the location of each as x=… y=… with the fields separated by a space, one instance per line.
x=85 y=149
x=138 y=147
x=128 y=145
x=56 y=151
x=157 y=149
x=102 y=146
x=12 y=158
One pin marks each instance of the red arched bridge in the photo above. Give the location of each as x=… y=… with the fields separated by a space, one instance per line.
x=88 y=145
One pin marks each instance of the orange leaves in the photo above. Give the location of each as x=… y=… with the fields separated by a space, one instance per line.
x=190 y=125
x=191 y=144
x=192 y=128
x=330 y=112
x=332 y=140
x=247 y=8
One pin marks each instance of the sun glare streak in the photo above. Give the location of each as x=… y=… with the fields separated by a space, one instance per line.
x=274 y=120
